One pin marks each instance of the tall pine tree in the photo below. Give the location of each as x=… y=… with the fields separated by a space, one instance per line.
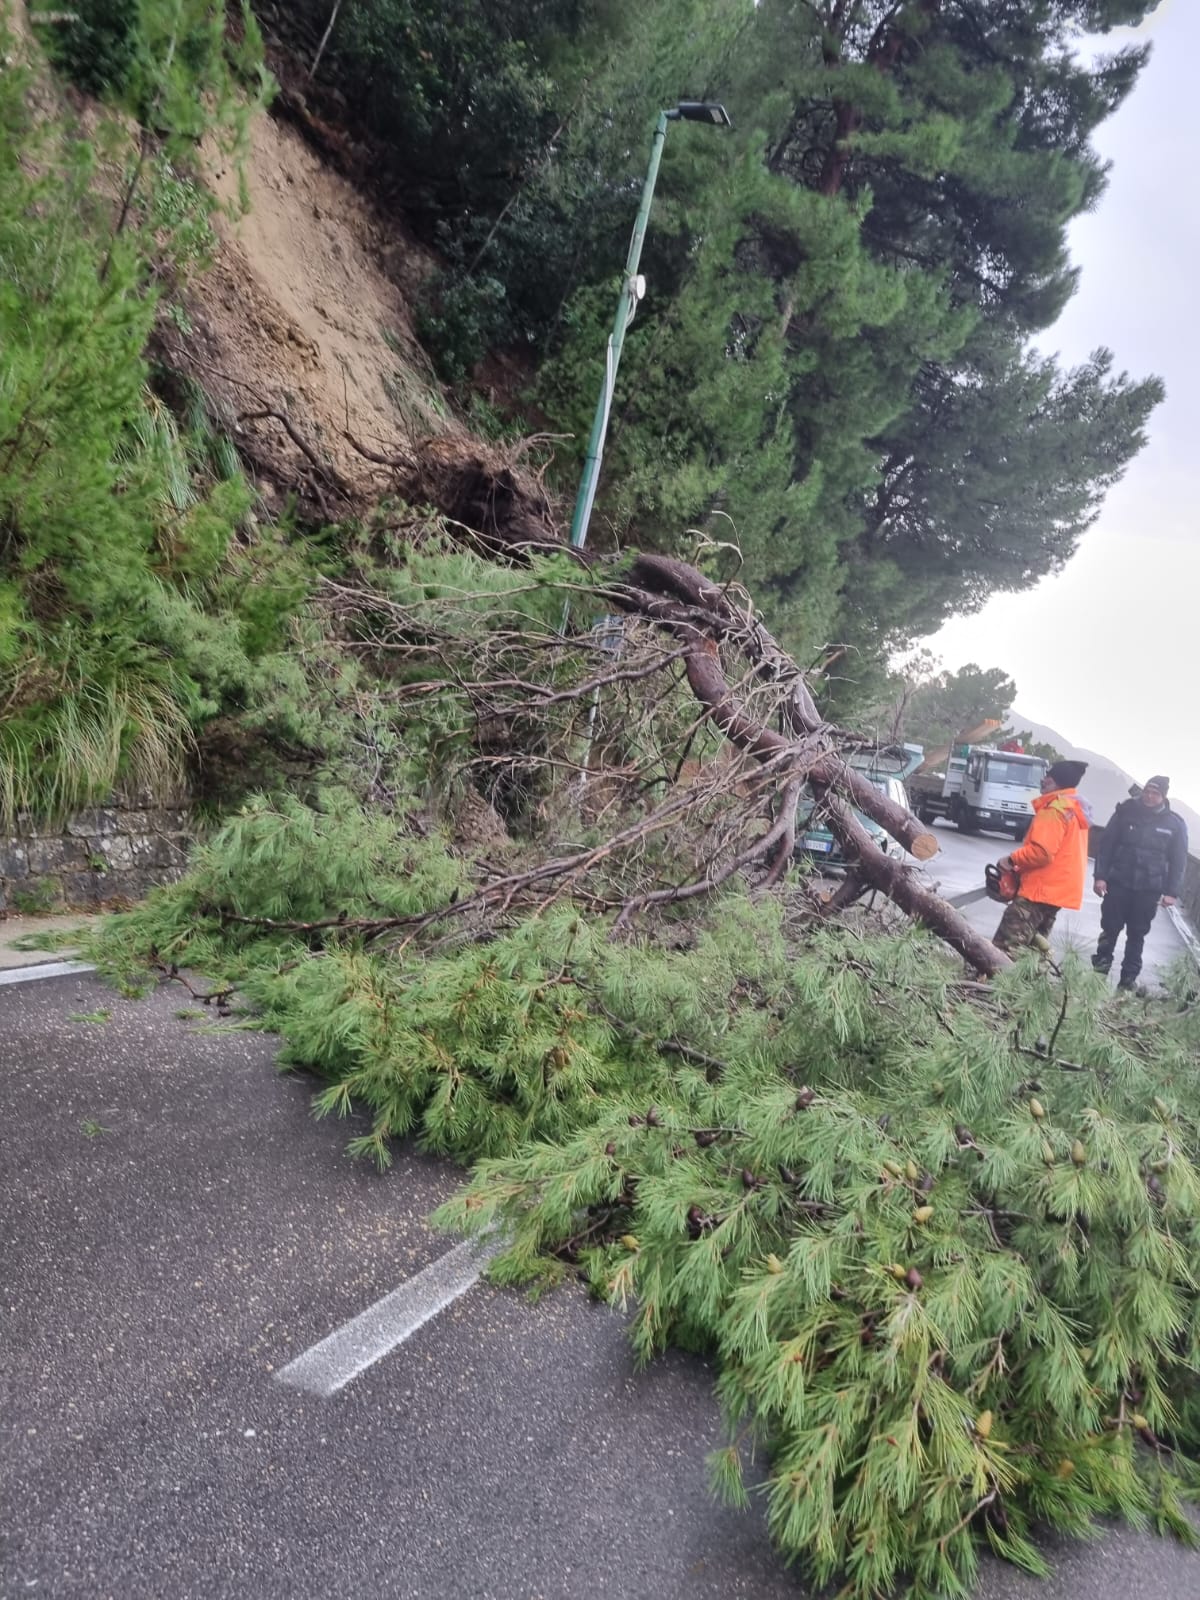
x=845 y=367
x=833 y=363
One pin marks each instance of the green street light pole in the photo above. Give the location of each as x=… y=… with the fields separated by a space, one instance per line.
x=632 y=289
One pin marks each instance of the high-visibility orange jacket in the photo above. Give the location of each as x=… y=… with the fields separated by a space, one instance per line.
x=1052 y=862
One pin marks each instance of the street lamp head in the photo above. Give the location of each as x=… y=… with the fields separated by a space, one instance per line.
x=701 y=111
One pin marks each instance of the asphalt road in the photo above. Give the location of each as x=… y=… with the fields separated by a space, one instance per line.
x=175 y=1228
x=959 y=867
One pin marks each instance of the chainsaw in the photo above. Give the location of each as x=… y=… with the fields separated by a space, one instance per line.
x=999 y=883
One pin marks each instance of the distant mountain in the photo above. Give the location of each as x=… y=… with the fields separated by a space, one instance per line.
x=1105 y=784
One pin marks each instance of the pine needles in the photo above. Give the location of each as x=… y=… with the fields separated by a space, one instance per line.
x=942 y=1240
x=942 y=1243
x=944 y=1318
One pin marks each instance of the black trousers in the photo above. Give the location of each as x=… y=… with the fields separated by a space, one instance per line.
x=1130 y=909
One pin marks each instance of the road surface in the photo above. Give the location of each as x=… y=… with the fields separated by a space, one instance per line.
x=959 y=868
x=176 y=1231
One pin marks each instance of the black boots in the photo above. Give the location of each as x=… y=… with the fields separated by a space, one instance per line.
x=1102 y=961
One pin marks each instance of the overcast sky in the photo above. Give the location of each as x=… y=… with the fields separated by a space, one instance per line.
x=1107 y=653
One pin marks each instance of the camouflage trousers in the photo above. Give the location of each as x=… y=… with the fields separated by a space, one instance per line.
x=1021 y=922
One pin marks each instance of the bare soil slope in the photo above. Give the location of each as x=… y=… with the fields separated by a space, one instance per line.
x=306 y=314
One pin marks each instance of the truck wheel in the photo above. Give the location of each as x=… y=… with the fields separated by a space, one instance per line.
x=926 y=817
x=966 y=823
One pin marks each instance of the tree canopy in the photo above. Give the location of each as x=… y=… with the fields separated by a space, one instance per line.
x=834 y=362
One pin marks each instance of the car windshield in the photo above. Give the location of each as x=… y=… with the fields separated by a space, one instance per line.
x=884 y=782
x=879 y=764
x=1021 y=774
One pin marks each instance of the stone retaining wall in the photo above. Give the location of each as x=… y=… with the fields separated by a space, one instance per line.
x=108 y=855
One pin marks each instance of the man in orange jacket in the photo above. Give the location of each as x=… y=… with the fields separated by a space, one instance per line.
x=1052 y=861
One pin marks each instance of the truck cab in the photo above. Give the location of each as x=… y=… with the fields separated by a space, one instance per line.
x=984 y=788
x=996 y=791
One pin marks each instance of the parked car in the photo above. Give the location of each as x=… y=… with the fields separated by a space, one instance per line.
x=816 y=843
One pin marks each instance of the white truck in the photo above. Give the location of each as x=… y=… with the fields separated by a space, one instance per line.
x=983 y=789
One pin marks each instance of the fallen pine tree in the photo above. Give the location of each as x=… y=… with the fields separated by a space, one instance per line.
x=713 y=638
x=940 y=1235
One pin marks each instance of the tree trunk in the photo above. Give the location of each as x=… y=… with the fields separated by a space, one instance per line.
x=882 y=53
x=847 y=120
x=898 y=883
x=700 y=616
x=695 y=611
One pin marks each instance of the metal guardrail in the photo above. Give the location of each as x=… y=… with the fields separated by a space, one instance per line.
x=1186 y=932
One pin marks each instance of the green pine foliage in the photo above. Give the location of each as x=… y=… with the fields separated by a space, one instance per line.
x=284 y=861
x=834 y=363
x=949 y=1279
x=942 y=1241
x=477 y=1050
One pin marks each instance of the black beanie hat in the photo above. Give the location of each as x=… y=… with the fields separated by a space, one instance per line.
x=1160 y=783
x=1066 y=774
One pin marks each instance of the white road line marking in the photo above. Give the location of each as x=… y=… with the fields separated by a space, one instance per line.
x=330 y=1365
x=44 y=969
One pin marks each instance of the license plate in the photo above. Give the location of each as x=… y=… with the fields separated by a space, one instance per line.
x=821 y=846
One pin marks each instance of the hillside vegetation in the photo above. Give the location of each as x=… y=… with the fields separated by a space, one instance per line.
x=833 y=364
x=832 y=369
x=502 y=842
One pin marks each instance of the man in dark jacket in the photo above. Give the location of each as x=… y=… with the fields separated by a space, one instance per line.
x=1140 y=863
